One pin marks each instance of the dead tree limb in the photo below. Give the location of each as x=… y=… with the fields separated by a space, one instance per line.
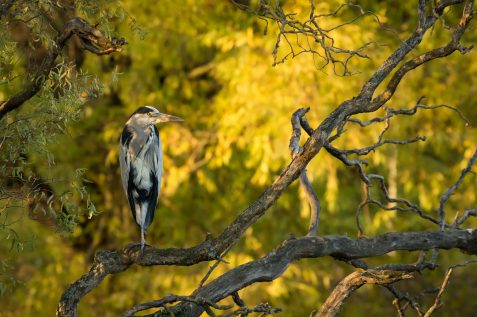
x=445 y=197
x=92 y=40
x=335 y=302
x=298 y=121
x=274 y=264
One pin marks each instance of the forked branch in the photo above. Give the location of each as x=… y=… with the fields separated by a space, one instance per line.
x=337 y=299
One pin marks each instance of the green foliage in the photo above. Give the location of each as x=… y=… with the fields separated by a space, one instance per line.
x=211 y=64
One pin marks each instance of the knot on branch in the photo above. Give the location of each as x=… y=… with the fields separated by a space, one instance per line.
x=93 y=39
x=112 y=261
x=381 y=277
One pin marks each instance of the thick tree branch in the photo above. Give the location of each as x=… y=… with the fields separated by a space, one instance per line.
x=91 y=39
x=273 y=265
x=298 y=122
x=424 y=24
x=453 y=45
x=205 y=303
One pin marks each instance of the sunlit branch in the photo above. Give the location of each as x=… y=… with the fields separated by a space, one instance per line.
x=467 y=213
x=426 y=22
x=169 y=299
x=335 y=302
x=298 y=118
x=274 y=264
x=408 y=112
x=313 y=33
x=367 y=150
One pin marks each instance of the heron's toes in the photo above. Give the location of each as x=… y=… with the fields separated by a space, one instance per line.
x=132 y=247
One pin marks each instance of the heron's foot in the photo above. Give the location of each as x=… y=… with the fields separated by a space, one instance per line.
x=135 y=246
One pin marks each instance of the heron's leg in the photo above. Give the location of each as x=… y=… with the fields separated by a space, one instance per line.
x=143 y=241
x=130 y=247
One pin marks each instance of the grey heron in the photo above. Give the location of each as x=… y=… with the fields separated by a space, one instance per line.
x=140 y=160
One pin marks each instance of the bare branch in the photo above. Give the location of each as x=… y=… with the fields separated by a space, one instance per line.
x=169 y=299
x=314 y=202
x=367 y=150
x=408 y=112
x=451 y=47
x=274 y=264
x=297 y=120
x=467 y=213
x=318 y=39
x=264 y=308
x=335 y=302
x=214 y=266
x=438 y=301
x=398 y=307
x=445 y=197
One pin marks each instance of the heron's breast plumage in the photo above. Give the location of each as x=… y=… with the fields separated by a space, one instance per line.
x=146 y=165
x=143 y=159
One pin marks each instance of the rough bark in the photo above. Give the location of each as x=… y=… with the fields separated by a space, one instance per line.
x=276 y=262
x=337 y=299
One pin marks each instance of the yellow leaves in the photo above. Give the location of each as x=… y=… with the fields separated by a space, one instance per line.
x=277 y=288
x=332 y=184
x=382 y=221
x=206 y=181
x=326 y=281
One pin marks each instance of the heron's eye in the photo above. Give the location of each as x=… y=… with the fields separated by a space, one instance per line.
x=149 y=114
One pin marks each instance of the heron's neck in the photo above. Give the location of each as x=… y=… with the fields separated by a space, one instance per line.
x=141 y=138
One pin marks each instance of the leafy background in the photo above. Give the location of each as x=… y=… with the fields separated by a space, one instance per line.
x=211 y=63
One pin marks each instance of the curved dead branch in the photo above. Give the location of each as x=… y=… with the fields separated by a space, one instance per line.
x=298 y=122
x=335 y=302
x=343 y=248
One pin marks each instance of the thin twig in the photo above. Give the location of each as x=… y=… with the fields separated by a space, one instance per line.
x=447 y=194
x=298 y=121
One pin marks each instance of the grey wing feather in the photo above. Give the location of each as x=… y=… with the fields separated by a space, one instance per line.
x=124 y=164
x=156 y=175
x=125 y=167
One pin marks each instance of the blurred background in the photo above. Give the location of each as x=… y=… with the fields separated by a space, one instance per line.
x=211 y=64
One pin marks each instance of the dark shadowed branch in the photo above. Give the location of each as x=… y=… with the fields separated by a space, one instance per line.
x=298 y=120
x=274 y=264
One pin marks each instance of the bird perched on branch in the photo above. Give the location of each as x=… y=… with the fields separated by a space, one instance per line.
x=140 y=160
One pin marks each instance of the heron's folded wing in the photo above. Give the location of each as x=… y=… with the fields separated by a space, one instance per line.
x=125 y=157
x=156 y=175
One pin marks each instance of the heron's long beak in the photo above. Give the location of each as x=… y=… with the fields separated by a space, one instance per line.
x=163 y=117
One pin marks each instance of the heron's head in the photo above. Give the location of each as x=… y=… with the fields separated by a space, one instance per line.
x=147 y=115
